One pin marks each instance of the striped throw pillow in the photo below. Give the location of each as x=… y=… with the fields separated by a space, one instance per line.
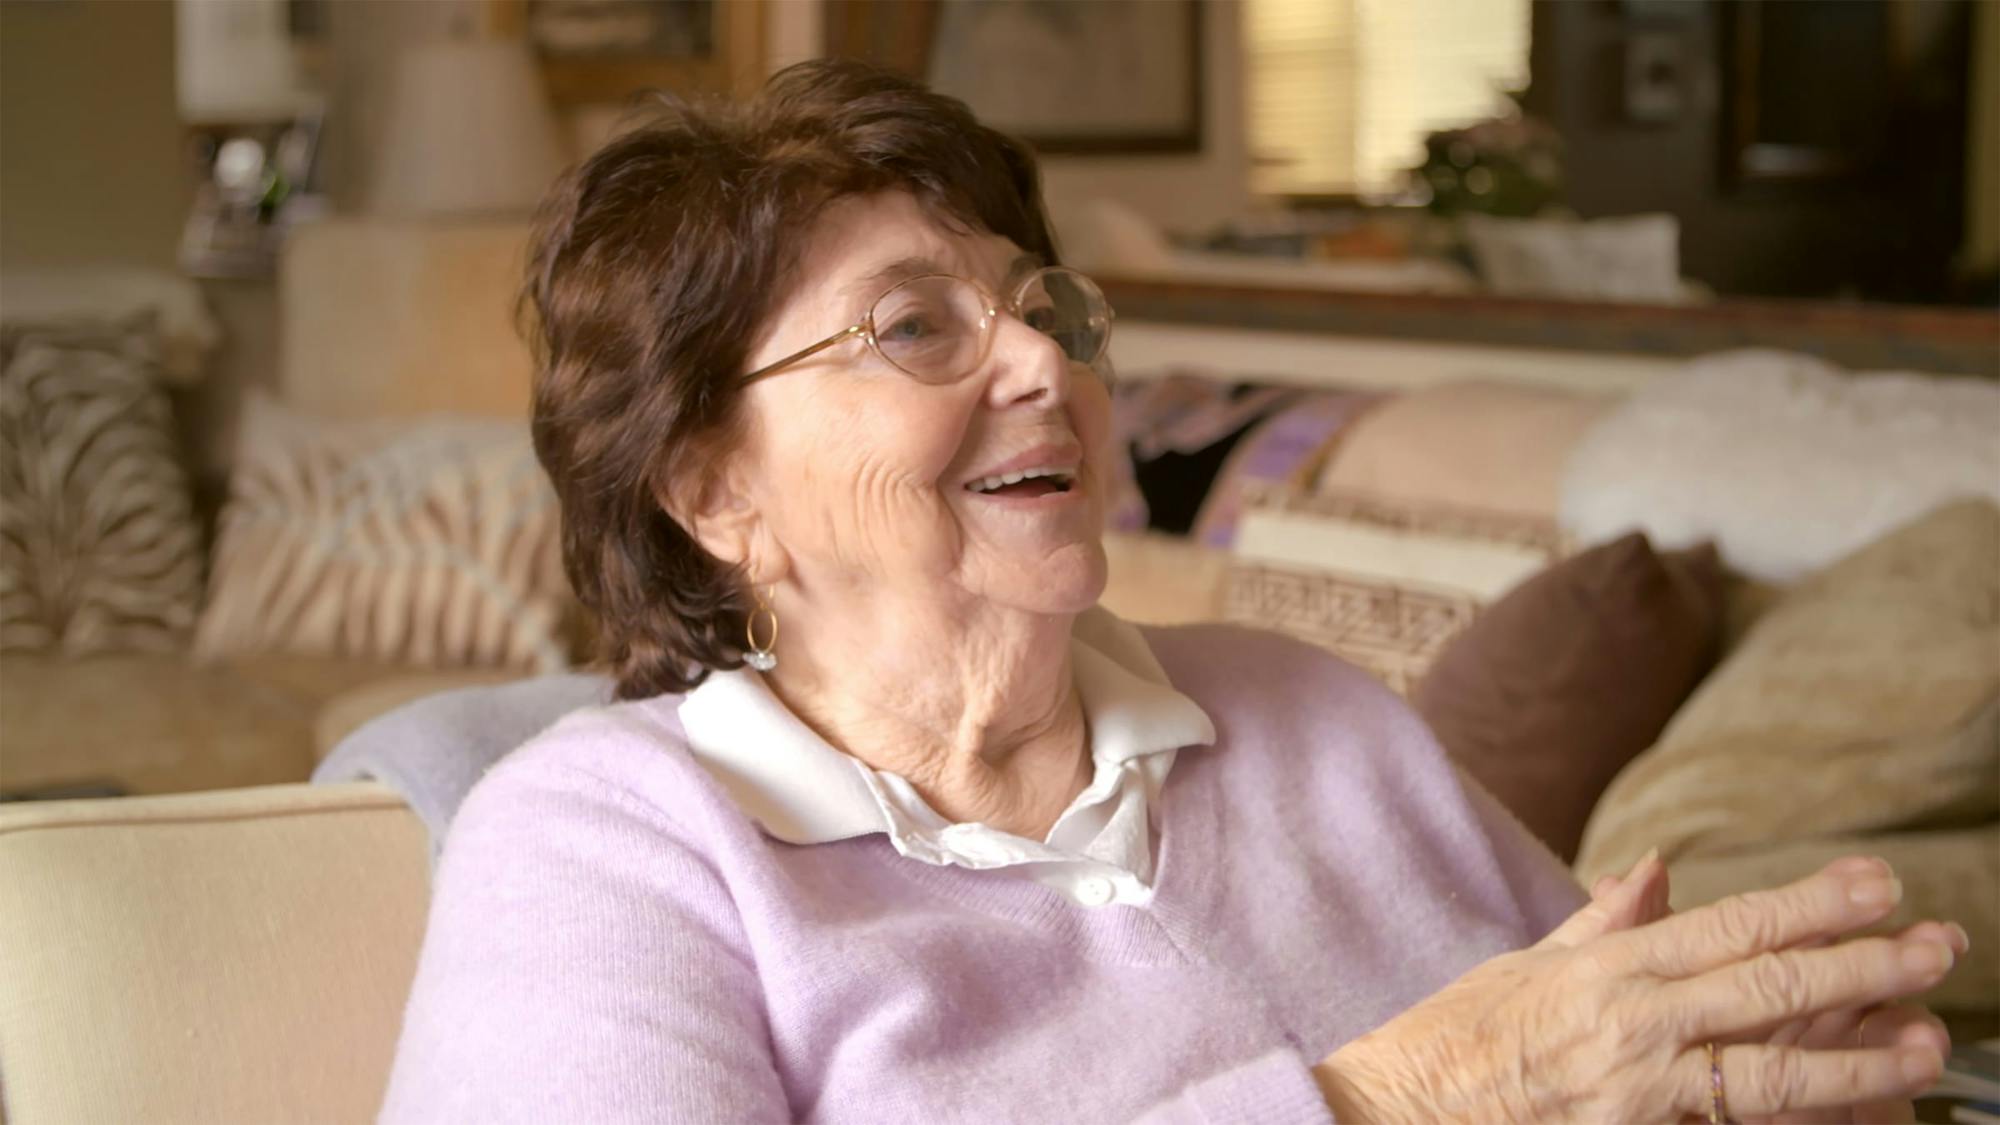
x=99 y=547
x=430 y=542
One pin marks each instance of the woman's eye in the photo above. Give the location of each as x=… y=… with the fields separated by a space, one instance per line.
x=1040 y=319
x=914 y=326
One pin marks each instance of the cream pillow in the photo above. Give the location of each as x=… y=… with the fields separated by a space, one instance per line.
x=1865 y=702
x=430 y=542
x=1947 y=873
x=1383 y=585
x=1490 y=447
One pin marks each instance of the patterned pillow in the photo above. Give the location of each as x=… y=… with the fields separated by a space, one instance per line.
x=133 y=338
x=99 y=547
x=430 y=542
x=1384 y=585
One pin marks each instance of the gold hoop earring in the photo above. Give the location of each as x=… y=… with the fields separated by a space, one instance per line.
x=761 y=657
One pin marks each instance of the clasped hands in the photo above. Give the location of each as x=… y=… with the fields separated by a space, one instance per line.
x=1608 y=1019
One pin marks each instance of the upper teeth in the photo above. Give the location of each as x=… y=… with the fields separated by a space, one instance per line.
x=990 y=483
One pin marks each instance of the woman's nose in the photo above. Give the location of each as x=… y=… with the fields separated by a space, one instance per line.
x=1026 y=366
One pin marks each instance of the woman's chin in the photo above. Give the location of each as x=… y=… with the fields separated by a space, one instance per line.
x=1065 y=582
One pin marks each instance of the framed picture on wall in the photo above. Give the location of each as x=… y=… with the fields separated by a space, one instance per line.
x=1106 y=76
x=596 y=51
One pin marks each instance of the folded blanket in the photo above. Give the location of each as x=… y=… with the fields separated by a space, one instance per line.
x=434 y=750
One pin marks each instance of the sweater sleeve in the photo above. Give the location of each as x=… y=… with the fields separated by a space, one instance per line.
x=1277 y=1087
x=1543 y=887
x=581 y=964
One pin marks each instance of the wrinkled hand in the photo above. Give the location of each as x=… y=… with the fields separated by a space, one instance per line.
x=1603 y=1023
x=1641 y=897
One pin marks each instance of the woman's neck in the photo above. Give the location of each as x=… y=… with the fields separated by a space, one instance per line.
x=978 y=711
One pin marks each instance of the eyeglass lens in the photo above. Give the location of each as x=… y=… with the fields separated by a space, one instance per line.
x=935 y=328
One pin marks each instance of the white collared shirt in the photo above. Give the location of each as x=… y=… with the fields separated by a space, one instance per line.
x=802 y=790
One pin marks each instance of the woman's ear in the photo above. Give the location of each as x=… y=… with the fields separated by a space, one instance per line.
x=718 y=513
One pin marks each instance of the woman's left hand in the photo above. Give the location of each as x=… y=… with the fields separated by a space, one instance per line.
x=1641 y=897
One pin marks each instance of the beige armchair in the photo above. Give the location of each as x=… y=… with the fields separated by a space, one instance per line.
x=232 y=956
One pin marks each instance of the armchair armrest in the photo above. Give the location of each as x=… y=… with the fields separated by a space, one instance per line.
x=239 y=955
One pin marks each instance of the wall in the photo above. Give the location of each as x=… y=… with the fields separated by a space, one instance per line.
x=1190 y=193
x=91 y=166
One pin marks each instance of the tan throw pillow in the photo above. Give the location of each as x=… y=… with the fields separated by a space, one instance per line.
x=1866 y=701
x=429 y=542
x=1562 y=682
x=1382 y=585
x=99 y=547
x=1490 y=447
x=1947 y=873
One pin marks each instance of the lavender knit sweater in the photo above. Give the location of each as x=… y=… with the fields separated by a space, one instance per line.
x=612 y=939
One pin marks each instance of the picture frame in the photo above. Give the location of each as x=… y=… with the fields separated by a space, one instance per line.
x=604 y=51
x=1109 y=76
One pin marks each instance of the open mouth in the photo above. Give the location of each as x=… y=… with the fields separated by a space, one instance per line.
x=1027 y=484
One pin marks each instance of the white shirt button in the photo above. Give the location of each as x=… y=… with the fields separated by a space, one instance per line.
x=1094 y=891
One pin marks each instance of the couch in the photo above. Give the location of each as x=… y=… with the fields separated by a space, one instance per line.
x=233 y=956
x=250 y=942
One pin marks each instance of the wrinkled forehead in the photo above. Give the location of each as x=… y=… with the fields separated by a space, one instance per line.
x=862 y=245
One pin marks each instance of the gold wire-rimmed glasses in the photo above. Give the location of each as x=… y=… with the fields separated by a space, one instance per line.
x=937 y=327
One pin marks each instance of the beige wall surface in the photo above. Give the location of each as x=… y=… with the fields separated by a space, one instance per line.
x=1190 y=192
x=91 y=165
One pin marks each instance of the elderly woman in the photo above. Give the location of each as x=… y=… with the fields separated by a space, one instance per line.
x=954 y=844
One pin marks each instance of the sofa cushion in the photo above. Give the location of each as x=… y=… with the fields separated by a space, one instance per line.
x=237 y=956
x=147 y=723
x=1160 y=579
x=1563 y=681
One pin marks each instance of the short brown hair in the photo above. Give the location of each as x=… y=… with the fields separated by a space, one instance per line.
x=654 y=264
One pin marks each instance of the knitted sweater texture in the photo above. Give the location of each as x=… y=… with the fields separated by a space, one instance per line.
x=612 y=939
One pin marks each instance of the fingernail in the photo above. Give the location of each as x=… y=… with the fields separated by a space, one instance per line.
x=1927 y=957
x=1920 y=1066
x=1860 y=865
x=1877 y=891
x=1960 y=940
x=1652 y=856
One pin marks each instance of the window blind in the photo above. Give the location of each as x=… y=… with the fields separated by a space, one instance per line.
x=1342 y=92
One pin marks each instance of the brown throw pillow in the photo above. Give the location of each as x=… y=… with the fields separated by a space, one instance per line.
x=1573 y=674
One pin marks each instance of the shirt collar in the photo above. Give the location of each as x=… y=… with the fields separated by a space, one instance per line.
x=804 y=791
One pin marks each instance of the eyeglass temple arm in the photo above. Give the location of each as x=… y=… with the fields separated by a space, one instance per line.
x=837 y=337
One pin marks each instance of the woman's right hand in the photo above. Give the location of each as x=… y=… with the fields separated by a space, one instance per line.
x=1596 y=1026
